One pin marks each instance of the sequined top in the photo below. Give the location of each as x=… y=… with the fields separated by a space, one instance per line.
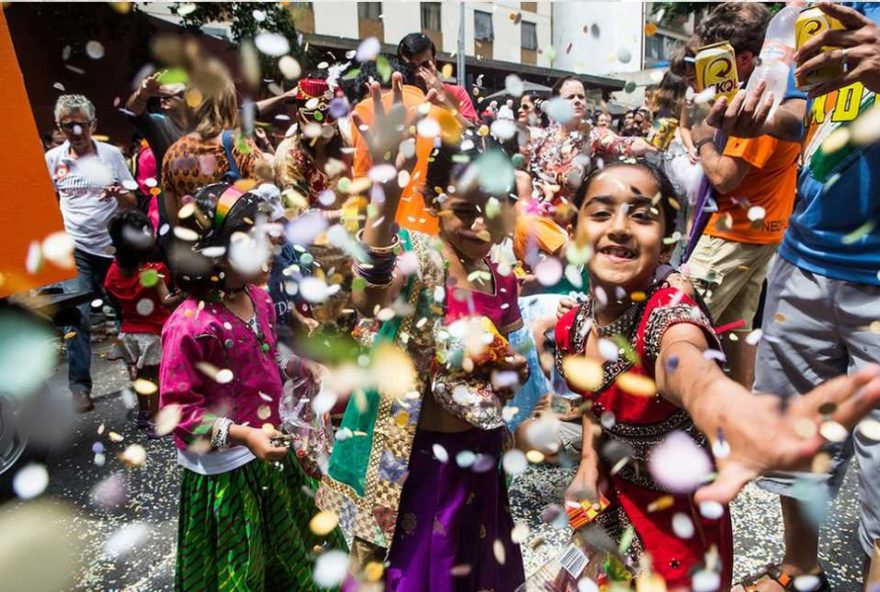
x=295 y=169
x=196 y=343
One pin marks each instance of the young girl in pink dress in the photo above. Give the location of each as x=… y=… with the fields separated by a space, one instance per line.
x=243 y=508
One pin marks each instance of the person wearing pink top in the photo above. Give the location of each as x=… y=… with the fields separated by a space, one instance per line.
x=243 y=509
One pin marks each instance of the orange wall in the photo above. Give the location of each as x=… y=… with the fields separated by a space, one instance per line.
x=27 y=197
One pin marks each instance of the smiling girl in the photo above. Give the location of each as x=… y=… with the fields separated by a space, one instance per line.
x=659 y=379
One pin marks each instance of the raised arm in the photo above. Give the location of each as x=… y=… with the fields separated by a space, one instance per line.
x=383 y=280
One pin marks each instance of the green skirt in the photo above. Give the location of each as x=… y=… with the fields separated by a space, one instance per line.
x=247 y=530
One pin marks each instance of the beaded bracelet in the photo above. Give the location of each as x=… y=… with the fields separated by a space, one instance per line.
x=220 y=433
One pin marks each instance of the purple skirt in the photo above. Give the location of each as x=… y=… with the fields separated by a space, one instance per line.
x=451 y=517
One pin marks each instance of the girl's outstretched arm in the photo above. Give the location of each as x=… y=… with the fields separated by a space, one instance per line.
x=763 y=434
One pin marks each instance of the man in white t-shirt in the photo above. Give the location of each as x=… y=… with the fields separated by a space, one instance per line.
x=89 y=177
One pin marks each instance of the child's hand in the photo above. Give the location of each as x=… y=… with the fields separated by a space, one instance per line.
x=259 y=441
x=584 y=485
x=565 y=305
x=514 y=363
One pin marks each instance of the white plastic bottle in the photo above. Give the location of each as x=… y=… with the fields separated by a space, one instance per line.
x=776 y=54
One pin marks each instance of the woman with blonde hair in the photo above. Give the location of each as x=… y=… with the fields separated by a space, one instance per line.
x=217 y=150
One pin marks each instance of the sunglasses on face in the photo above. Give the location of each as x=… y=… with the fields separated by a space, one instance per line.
x=70 y=126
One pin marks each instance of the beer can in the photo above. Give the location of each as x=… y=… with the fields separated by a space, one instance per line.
x=810 y=23
x=663 y=132
x=716 y=66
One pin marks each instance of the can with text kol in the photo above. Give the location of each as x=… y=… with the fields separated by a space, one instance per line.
x=810 y=23
x=716 y=66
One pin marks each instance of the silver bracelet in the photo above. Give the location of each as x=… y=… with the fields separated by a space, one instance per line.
x=220 y=433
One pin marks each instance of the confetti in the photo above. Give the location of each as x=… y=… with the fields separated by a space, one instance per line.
x=167 y=419
x=682 y=526
x=368 y=50
x=272 y=44
x=514 y=462
x=711 y=510
x=661 y=503
x=125 y=540
x=289 y=67
x=584 y=373
x=559 y=110
x=30 y=481
x=637 y=384
x=465 y=459
x=446 y=71
x=756 y=214
x=373 y=571
x=754 y=337
x=224 y=376
x=324 y=522
x=440 y=453
x=548 y=271
x=514 y=85
x=111 y=492
x=134 y=456
x=535 y=456
x=836 y=140
x=706 y=581
x=624 y=55
x=833 y=431
x=866 y=129
x=94 y=50
x=650 y=29
x=145 y=387
x=145 y=307
x=679 y=464
x=499 y=552
x=114 y=437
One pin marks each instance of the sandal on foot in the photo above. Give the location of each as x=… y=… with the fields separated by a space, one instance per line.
x=777 y=574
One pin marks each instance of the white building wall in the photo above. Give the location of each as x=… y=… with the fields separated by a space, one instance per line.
x=620 y=25
x=339 y=19
x=401 y=18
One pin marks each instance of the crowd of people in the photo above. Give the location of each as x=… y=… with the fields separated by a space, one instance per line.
x=358 y=329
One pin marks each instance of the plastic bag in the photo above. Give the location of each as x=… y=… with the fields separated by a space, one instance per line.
x=310 y=435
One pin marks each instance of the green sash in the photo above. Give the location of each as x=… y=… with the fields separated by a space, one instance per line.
x=366 y=471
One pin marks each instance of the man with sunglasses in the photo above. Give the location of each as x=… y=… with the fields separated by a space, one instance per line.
x=88 y=177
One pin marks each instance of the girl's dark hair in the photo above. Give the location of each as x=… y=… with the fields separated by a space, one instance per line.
x=668 y=195
x=557 y=88
x=132 y=235
x=356 y=90
x=195 y=272
x=448 y=163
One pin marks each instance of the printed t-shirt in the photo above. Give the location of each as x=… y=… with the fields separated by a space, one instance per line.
x=835 y=228
x=80 y=183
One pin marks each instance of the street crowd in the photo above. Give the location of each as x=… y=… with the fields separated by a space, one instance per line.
x=358 y=326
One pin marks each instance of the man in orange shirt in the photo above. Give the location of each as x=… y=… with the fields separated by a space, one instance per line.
x=755 y=184
x=412 y=213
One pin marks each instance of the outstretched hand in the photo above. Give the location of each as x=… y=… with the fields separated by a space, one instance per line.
x=764 y=436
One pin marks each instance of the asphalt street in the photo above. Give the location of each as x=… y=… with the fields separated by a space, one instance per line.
x=138 y=506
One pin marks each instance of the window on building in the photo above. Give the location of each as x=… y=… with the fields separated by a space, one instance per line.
x=369 y=11
x=529 y=6
x=431 y=15
x=529 y=35
x=660 y=49
x=483 y=26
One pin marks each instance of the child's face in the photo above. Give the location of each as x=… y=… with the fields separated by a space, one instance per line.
x=465 y=226
x=624 y=228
